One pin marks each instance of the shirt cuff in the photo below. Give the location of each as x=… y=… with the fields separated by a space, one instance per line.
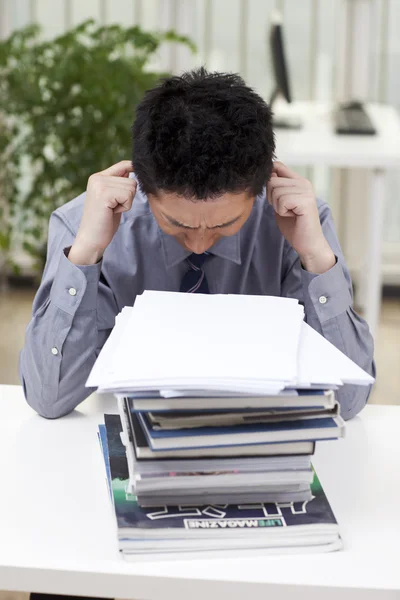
x=75 y=286
x=329 y=292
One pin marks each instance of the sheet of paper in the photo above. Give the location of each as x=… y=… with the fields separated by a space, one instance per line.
x=173 y=337
x=320 y=362
x=102 y=368
x=190 y=393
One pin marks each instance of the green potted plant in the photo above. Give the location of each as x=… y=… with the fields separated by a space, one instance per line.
x=66 y=108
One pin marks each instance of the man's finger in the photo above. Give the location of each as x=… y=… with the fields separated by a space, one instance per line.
x=278 y=193
x=277 y=182
x=115 y=186
x=285 y=206
x=120 y=201
x=121 y=169
x=124 y=206
x=122 y=182
x=283 y=171
x=279 y=185
x=289 y=205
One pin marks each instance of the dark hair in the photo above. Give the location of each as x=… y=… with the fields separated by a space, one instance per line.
x=203 y=134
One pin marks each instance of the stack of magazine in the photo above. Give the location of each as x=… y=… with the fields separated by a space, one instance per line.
x=211 y=449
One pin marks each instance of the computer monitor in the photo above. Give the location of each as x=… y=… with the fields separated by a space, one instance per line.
x=281 y=72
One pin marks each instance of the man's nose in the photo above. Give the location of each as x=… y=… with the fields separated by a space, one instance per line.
x=198 y=242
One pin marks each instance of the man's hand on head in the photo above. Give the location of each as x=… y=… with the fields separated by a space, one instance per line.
x=296 y=211
x=109 y=194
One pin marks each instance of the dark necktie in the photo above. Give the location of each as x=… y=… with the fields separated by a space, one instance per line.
x=194 y=280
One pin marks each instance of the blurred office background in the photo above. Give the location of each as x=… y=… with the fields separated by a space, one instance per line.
x=336 y=50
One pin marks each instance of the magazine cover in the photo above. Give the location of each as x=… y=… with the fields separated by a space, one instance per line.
x=314 y=513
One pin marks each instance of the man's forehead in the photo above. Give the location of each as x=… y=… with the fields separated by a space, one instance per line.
x=218 y=212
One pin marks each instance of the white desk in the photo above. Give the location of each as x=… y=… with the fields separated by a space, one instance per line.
x=57 y=532
x=317 y=144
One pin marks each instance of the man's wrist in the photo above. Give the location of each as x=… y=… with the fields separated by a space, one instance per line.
x=319 y=261
x=83 y=254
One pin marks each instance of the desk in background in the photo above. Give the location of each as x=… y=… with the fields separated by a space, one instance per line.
x=317 y=144
x=58 y=535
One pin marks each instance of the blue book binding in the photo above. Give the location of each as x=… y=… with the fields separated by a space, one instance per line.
x=303 y=429
x=300 y=425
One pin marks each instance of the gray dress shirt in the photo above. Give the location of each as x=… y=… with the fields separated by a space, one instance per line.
x=75 y=307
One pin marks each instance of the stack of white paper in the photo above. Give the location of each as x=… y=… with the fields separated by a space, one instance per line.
x=225 y=343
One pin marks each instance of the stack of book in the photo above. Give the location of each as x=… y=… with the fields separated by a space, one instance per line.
x=225 y=456
x=221 y=400
x=282 y=527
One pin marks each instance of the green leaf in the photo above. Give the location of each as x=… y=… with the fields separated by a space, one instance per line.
x=66 y=110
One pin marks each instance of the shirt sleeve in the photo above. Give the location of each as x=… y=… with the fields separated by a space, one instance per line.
x=65 y=334
x=328 y=306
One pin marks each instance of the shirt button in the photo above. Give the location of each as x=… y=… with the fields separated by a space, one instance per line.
x=54 y=351
x=72 y=291
x=323 y=300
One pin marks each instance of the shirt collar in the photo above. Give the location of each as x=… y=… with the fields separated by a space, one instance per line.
x=229 y=248
x=174 y=253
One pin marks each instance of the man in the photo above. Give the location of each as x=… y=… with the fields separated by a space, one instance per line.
x=207 y=211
